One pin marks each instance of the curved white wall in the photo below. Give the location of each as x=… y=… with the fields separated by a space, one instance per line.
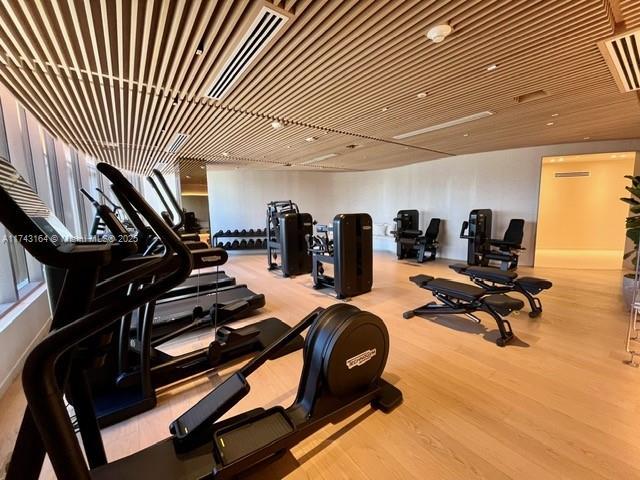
x=506 y=181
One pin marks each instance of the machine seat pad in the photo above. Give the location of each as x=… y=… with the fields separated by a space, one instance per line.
x=457 y=290
x=421 y=280
x=534 y=285
x=504 y=304
x=491 y=274
x=459 y=267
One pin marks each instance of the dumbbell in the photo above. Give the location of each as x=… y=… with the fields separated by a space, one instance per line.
x=227 y=245
x=251 y=243
x=258 y=243
x=243 y=244
x=235 y=244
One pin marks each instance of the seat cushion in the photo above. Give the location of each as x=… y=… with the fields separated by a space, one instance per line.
x=504 y=304
x=421 y=280
x=457 y=290
x=534 y=285
x=459 y=267
x=491 y=274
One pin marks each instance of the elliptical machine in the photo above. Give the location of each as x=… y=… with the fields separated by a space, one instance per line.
x=287 y=229
x=345 y=353
x=350 y=251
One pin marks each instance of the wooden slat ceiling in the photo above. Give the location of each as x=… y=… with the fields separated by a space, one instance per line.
x=119 y=78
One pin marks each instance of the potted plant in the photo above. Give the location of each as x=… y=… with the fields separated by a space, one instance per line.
x=633 y=234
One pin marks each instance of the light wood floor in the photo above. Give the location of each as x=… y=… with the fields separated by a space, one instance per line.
x=558 y=404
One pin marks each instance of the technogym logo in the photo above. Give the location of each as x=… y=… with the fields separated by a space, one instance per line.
x=361 y=358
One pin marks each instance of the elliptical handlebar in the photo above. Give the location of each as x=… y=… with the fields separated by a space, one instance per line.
x=172 y=199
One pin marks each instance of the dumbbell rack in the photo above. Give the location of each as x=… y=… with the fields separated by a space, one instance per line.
x=257 y=234
x=633 y=331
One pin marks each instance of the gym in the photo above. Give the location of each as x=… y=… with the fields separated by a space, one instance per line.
x=319 y=239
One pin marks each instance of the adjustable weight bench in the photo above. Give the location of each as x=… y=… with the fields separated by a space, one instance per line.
x=494 y=280
x=462 y=298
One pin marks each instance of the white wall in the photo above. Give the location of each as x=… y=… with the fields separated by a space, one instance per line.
x=238 y=198
x=506 y=181
x=20 y=331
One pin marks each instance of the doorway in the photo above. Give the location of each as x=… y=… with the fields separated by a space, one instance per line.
x=581 y=219
x=195 y=200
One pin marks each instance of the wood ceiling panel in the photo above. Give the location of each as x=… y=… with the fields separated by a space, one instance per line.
x=119 y=79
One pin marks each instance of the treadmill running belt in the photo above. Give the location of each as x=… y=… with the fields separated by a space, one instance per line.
x=172 y=310
x=207 y=281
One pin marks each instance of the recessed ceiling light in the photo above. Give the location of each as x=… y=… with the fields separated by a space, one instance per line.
x=277 y=125
x=384 y=109
x=465 y=135
x=225 y=154
x=202 y=167
x=586 y=138
x=320 y=158
x=288 y=146
x=555 y=114
x=439 y=32
x=199 y=50
x=561 y=159
x=492 y=67
x=550 y=124
x=310 y=139
x=421 y=95
x=188 y=176
x=457 y=121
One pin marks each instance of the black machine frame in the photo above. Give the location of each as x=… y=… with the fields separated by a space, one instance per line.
x=411 y=241
x=350 y=252
x=463 y=299
x=287 y=229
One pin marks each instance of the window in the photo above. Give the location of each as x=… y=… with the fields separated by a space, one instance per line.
x=51 y=163
x=26 y=145
x=81 y=213
x=17 y=254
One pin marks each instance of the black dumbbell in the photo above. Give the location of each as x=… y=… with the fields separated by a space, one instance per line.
x=251 y=243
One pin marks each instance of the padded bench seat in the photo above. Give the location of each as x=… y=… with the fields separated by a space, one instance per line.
x=457 y=290
x=421 y=280
x=504 y=304
x=534 y=285
x=492 y=274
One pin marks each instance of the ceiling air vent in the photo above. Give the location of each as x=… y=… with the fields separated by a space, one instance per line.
x=572 y=174
x=622 y=55
x=177 y=142
x=263 y=29
x=529 y=97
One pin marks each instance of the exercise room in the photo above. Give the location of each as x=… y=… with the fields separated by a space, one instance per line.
x=316 y=239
